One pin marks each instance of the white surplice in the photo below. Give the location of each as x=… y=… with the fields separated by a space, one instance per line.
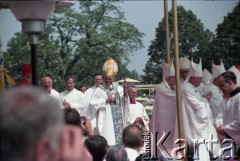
x=231 y=117
x=103 y=112
x=55 y=94
x=74 y=97
x=197 y=121
x=89 y=112
x=132 y=154
x=217 y=98
x=163 y=116
x=137 y=110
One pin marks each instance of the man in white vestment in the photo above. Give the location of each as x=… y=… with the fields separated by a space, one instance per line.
x=110 y=105
x=164 y=110
x=137 y=113
x=196 y=113
x=71 y=97
x=87 y=111
x=231 y=114
x=184 y=65
x=217 y=94
x=47 y=86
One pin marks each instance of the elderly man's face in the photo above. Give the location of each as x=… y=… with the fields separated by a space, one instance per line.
x=47 y=83
x=195 y=81
x=171 y=81
x=184 y=73
x=108 y=80
x=132 y=92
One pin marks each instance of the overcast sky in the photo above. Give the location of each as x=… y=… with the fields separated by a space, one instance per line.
x=145 y=15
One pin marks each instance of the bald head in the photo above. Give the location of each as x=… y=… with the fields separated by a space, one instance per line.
x=46 y=83
x=132 y=92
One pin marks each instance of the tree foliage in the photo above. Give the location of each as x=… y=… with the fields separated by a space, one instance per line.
x=78 y=42
x=226 y=44
x=193 y=38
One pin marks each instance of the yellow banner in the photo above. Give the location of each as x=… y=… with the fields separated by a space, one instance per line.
x=10 y=81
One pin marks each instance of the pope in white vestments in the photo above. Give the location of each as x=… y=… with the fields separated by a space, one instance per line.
x=164 y=110
x=110 y=106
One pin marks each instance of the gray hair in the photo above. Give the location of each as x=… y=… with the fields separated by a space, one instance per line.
x=117 y=154
x=26 y=116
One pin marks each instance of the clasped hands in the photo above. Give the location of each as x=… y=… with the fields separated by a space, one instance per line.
x=208 y=96
x=110 y=100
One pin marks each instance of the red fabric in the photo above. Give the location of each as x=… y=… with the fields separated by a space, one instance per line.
x=23 y=82
x=238 y=67
x=27 y=69
x=132 y=101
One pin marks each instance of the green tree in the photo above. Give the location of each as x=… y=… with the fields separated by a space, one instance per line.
x=78 y=42
x=226 y=44
x=192 y=40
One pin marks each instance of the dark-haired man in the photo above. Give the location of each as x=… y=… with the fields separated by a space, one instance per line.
x=71 y=97
x=132 y=138
x=86 y=99
x=231 y=113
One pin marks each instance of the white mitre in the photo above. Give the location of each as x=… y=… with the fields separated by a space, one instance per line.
x=195 y=69
x=236 y=72
x=168 y=70
x=207 y=77
x=217 y=70
x=184 y=63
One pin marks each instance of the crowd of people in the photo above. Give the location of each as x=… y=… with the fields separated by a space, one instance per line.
x=105 y=122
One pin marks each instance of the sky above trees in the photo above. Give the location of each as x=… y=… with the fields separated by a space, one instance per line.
x=145 y=15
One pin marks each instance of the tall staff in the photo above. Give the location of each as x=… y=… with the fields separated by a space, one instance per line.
x=177 y=73
x=166 y=31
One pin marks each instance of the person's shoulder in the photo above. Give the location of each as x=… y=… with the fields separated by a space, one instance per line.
x=186 y=86
x=139 y=104
x=63 y=92
x=53 y=91
x=117 y=85
x=77 y=92
x=89 y=90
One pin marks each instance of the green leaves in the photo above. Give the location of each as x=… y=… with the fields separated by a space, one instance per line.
x=78 y=42
x=192 y=37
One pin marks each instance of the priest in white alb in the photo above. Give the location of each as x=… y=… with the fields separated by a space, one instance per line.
x=137 y=112
x=164 y=110
x=217 y=94
x=231 y=114
x=87 y=111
